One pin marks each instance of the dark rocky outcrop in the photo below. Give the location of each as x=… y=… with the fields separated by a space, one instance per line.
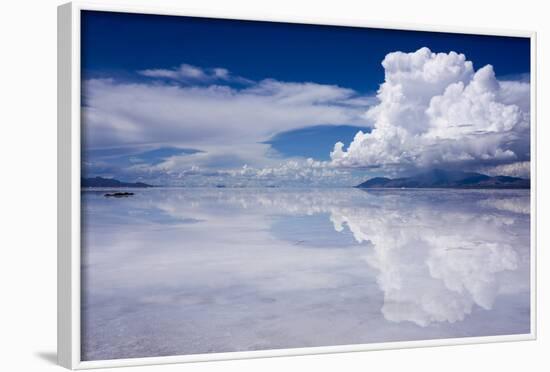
x=119 y=194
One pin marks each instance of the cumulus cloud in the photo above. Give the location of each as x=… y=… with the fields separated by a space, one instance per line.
x=434 y=109
x=245 y=166
x=296 y=172
x=518 y=169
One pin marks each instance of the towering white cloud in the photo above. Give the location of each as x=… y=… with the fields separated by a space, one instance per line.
x=434 y=109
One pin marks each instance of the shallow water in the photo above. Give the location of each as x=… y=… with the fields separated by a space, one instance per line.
x=188 y=271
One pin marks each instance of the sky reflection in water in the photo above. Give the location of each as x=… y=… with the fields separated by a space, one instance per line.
x=187 y=271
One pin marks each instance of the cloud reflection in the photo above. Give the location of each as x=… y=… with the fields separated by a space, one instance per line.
x=436 y=261
x=378 y=265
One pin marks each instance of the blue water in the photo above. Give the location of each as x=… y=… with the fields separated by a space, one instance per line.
x=188 y=271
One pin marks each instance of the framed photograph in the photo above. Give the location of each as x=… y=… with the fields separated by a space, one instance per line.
x=239 y=186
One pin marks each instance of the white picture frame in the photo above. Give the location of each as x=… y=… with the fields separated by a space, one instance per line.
x=69 y=162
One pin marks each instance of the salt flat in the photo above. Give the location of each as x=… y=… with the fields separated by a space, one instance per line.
x=172 y=271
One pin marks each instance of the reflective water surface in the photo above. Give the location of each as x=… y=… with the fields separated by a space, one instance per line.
x=187 y=271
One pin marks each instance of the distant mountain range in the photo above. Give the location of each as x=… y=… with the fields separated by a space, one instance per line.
x=109 y=182
x=439 y=178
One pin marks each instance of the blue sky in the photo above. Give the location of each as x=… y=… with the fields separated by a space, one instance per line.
x=121 y=43
x=298 y=89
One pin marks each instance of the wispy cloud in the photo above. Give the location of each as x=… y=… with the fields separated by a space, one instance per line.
x=120 y=113
x=193 y=74
x=229 y=125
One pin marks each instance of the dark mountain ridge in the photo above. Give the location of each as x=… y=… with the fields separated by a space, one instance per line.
x=438 y=178
x=109 y=182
